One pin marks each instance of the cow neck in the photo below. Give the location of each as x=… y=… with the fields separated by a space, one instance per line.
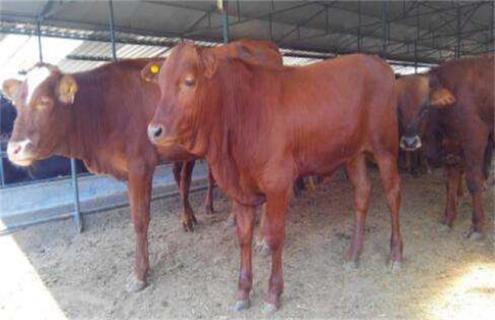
x=85 y=118
x=233 y=134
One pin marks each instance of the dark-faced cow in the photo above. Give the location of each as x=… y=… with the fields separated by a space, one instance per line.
x=449 y=112
x=261 y=127
x=99 y=116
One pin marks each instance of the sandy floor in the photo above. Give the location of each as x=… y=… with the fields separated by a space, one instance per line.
x=51 y=272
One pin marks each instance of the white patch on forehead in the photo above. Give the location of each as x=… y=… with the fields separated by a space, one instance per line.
x=34 y=78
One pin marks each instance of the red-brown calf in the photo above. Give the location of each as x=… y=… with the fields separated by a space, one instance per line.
x=260 y=127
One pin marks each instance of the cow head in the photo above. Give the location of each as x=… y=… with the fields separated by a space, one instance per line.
x=42 y=102
x=183 y=82
x=417 y=96
x=190 y=95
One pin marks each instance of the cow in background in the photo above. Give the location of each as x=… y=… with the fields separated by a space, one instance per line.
x=449 y=112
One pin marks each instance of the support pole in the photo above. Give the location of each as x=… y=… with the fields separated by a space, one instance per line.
x=458 y=45
x=416 y=41
x=77 y=210
x=73 y=170
x=491 y=46
x=415 y=57
x=359 y=27
x=225 y=22
x=112 y=30
x=38 y=32
x=384 y=27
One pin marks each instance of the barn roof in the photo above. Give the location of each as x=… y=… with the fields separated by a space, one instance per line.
x=406 y=31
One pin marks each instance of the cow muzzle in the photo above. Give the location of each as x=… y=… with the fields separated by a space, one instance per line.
x=19 y=154
x=410 y=143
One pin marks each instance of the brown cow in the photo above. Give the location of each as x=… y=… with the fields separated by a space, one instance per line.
x=451 y=111
x=74 y=115
x=261 y=127
x=99 y=116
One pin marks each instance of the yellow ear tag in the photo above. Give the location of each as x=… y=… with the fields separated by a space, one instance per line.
x=154 y=69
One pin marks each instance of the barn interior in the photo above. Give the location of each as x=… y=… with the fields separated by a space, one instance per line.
x=76 y=36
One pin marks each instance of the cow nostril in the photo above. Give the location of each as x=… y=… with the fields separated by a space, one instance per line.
x=158 y=132
x=16 y=150
x=154 y=132
x=410 y=142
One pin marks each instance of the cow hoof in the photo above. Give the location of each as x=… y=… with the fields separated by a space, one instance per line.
x=262 y=248
x=269 y=308
x=209 y=210
x=230 y=223
x=475 y=235
x=241 y=305
x=395 y=266
x=444 y=228
x=188 y=226
x=351 y=265
x=134 y=284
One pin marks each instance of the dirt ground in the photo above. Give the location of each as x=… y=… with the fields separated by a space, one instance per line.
x=60 y=274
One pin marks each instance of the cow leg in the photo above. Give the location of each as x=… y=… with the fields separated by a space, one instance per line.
x=358 y=175
x=177 y=168
x=245 y=217
x=274 y=229
x=187 y=216
x=261 y=244
x=139 y=188
x=311 y=184
x=390 y=179
x=460 y=188
x=209 y=193
x=299 y=186
x=454 y=181
x=407 y=160
x=476 y=140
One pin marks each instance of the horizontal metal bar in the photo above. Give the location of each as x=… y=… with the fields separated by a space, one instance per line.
x=69 y=215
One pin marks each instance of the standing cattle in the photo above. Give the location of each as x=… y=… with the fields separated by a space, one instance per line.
x=98 y=116
x=101 y=116
x=260 y=127
x=450 y=111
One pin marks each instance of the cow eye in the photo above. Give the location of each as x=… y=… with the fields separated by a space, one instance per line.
x=45 y=101
x=189 y=81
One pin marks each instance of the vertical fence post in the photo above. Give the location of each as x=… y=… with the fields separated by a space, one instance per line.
x=384 y=28
x=73 y=167
x=417 y=39
x=359 y=27
x=225 y=21
x=458 y=44
x=77 y=210
x=38 y=31
x=415 y=57
x=491 y=45
x=112 y=30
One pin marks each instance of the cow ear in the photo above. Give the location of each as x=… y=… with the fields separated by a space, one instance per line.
x=67 y=89
x=209 y=61
x=441 y=98
x=150 y=71
x=11 y=87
